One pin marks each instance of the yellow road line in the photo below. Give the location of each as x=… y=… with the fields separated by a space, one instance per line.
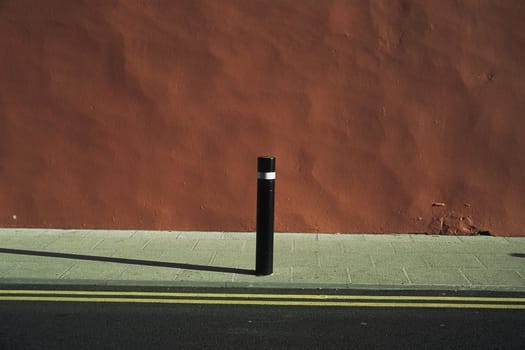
x=263 y=296
x=265 y=302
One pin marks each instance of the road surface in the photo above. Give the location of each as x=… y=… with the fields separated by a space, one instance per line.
x=75 y=318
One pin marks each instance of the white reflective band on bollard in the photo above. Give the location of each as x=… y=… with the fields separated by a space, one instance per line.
x=266 y=176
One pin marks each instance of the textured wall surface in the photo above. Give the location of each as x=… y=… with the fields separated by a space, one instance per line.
x=384 y=116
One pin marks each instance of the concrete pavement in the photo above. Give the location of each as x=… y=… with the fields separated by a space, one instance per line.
x=224 y=259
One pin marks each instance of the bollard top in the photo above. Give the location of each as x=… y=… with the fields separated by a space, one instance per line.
x=266 y=164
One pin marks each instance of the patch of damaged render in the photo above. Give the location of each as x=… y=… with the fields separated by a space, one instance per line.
x=451 y=222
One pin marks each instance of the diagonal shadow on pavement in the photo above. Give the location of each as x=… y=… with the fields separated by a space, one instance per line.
x=129 y=261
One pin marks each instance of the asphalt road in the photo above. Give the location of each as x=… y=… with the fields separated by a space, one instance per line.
x=193 y=319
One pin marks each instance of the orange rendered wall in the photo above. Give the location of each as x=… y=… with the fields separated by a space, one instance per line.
x=385 y=116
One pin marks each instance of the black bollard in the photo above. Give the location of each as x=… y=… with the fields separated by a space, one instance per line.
x=265 y=215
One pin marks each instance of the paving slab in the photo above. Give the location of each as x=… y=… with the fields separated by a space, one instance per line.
x=367 y=246
x=232 y=246
x=281 y=246
x=494 y=260
x=198 y=235
x=149 y=273
x=166 y=244
x=353 y=260
x=28 y=241
x=384 y=261
x=155 y=234
x=245 y=236
x=74 y=244
x=121 y=244
x=297 y=236
x=494 y=277
x=437 y=277
x=94 y=270
x=317 y=275
x=51 y=270
x=322 y=247
x=411 y=247
x=6 y=267
x=482 y=244
x=378 y=276
x=296 y=259
x=204 y=276
x=452 y=260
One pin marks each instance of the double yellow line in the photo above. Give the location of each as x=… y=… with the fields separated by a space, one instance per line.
x=320 y=300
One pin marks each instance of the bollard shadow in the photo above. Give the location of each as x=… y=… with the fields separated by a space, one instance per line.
x=518 y=255
x=128 y=261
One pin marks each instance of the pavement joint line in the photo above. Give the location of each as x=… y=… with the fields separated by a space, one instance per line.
x=406 y=275
x=372 y=261
x=464 y=276
x=97 y=244
x=348 y=275
x=147 y=244
x=177 y=274
x=49 y=243
x=479 y=260
x=210 y=262
x=121 y=272
x=425 y=262
x=65 y=272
